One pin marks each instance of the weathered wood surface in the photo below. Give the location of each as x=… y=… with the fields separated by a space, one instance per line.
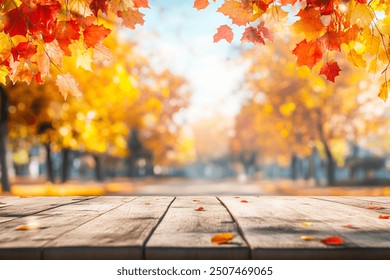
x=150 y=227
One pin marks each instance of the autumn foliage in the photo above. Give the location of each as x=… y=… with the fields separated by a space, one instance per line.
x=35 y=35
x=358 y=29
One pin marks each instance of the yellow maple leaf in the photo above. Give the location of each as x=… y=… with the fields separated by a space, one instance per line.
x=3 y=74
x=84 y=58
x=384 y=91
x=362 y=15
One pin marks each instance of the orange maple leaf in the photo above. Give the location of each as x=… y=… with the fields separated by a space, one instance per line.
x=94 y=34
x=333 y=240
x=141 y=3
x=130 y=18
x=350 y=226
x=375 y=207
x=244 y=201
x=222 y=238
x=308 y=53
x=331 y=70
x=200 y=209
x=384 y=217
x=224 y=32
x=234 y=10
x=252 y=35
x=201 y=4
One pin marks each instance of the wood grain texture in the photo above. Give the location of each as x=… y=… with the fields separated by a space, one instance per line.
x=16 y=207
x=273 y=226
x=28 y=244
x=116 y=234
x=169 y=228
x=186 y=234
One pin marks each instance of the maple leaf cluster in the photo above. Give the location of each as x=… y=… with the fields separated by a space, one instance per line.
x=35 y=35
x=359 y=29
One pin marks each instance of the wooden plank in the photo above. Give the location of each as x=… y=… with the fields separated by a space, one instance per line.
x=273 y=226
x=117 y=234
x=54 y=222
x=16 y=207
x=363 y=202
x=186 y=234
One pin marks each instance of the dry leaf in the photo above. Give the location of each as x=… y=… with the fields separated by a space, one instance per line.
x=200 y=209
x=333 y=240
x=384 y=217
x=147 y=203
x=349 y=226
x=307 y=237
x=375 y=207
x=244 y=201
x=196 y=200
x=28 y=227
x=222 y=238
x=307 y=224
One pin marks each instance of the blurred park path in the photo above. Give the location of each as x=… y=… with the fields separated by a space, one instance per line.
x=185 y=186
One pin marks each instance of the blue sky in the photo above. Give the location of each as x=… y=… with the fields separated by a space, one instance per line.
x=183 y=38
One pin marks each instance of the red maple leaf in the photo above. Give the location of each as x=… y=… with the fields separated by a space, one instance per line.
x=308 y=53
x=94 y=34
x=244 y=201
x=24 y=50
x=333 y=240
x=65 y=32
x=15 y=23
x=224 y=32
x=200 y=209
x=43 y=18
x=331 y=70
x=97 y=5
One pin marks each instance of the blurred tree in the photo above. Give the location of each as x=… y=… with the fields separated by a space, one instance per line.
x=97 y=122
x=292 y=110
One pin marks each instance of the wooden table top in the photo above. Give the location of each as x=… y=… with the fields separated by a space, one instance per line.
x=167 y=227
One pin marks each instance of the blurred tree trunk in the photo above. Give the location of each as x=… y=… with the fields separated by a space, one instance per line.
x=5 y=185
x=49 y=163
x=65 y=165
x=98 y=168
x=331 y=163
x=294 y=167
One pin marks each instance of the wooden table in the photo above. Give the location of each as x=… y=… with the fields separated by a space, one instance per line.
x=149 y=227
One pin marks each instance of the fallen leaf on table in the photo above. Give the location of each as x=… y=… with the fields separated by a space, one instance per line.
x=307 y=224
x=222 y=238
x=196 y=200
x=333 y=240
x=236 y=197
x=244 y=201
x=307 y=237
x=28 y=227
x=384 y=216
x=147 y=203
x=200 y=209
x=349 y=226
x=375 y=207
